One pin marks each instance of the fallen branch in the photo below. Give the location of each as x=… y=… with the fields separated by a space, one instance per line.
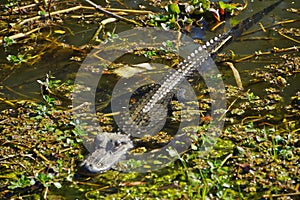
x=253 y=119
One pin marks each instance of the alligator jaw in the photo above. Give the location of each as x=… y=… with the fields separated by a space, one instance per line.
x=109 y=149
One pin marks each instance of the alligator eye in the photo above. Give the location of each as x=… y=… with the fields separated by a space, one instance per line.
x=118 y=143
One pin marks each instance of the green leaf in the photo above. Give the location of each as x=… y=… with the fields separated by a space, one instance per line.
x=161 y=18
x=11 y=58
x=227 y=6
x=8 y=40
x=173 y=8
x=41 y=13
x=21 y=183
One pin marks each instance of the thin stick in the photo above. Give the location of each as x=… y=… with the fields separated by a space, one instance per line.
x=18 y=93
x=236 y=75
x=53 y=13
x=274 y=50
x=41 y=156
x=225 y=160
x=229 y=107
x=138 y=12
x=281 y=195
x=111 y=114
x=21 y=35
x=262 y=27
x=8 y=103
x=287 y=37
x=271 y=26
x=25 y=7
x=216 y=26
x=97 y=7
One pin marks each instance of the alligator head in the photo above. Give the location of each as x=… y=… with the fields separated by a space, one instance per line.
x=109 y=149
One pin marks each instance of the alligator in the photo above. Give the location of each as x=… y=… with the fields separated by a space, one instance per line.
x=110 y=148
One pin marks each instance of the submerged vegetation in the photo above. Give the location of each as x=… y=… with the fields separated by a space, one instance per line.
x=257 y=154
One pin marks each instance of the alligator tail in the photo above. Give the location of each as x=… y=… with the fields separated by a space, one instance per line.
x=238 y=29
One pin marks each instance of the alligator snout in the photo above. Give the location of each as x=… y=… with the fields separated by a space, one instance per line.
x=109 y=149
x=93 y=166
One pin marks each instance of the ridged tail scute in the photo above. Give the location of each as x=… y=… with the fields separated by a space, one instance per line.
x=163 y=91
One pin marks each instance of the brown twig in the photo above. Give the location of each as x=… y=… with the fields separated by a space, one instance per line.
x=271 y=26
x=217 y=25
x=7 y=102
x=21 y=35
x=274 y=50
x=236 y=75
x=229 y=107
x=289 y=38
x=136 y=12
x=281 y=195
x=18 y=93
x=253 y=119
x=98 y=7
x=41 y=156
x=53 y=13
x=225 y=160
x=262 y=27
x=25 y=7
x=86 y=7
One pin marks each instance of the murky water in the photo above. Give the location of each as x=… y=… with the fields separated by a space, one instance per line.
x=21 y=82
